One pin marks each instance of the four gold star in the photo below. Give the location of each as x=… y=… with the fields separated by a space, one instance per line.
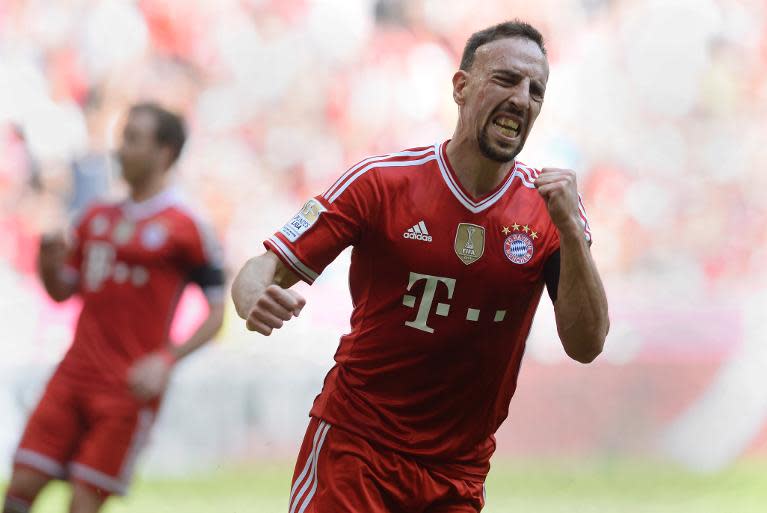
x=518 y=227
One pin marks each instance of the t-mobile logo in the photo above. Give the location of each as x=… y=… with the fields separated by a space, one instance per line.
x=430 y=289
x=424 y=308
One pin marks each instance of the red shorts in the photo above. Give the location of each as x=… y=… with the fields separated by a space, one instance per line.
x=340 y=472
x=85 y=436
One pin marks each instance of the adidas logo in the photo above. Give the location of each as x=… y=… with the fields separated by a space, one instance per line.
x=418 y=232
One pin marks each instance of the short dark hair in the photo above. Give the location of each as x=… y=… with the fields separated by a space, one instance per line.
x=507 y=29
x=170 y=130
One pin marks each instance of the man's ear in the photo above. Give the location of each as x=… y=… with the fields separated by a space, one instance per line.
x=166 y=156
x=459 y=85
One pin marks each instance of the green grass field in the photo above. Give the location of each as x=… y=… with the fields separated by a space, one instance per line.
x=572 y=487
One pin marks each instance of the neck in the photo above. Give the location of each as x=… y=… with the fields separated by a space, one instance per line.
x=476 y=173
x=150 y=187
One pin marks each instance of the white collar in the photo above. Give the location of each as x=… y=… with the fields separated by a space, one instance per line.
x=137 y=210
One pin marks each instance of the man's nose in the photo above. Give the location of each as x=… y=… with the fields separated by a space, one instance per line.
x=519 y=96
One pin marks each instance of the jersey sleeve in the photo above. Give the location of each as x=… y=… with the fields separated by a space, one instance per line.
x=326 y=225
x=584 y=220
x=202 y=255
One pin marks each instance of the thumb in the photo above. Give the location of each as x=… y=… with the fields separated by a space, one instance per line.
x=545 y=194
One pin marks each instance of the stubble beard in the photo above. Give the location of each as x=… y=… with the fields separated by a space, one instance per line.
x=493 y=153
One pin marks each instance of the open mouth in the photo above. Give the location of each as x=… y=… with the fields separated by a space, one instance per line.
x=507 y=127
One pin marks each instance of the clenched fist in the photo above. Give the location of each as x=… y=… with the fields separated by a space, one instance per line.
x=558 y=187
x=274 y=306
x=148 y=377
x=53 y=251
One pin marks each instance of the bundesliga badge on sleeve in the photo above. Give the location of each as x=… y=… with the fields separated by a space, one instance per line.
x=303 y=220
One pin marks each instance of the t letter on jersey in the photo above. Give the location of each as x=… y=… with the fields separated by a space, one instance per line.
x=428 y=298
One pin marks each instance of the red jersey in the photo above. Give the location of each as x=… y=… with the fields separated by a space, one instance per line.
x=131 y=262
x=444 y=288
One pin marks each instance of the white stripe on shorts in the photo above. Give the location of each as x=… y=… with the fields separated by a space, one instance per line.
x=311 y=467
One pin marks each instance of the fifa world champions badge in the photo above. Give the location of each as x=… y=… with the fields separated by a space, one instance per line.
x=469 y=243
x=518 y=247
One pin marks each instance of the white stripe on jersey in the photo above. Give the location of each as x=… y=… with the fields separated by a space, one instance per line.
x=530 y=173
x=582 y=212
x=375 y=165
x=368 y=160
x=298 y=266
x=478 y=206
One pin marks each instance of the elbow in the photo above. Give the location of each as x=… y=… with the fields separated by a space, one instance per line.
x=585 y=356
x=586 y=349
x=59 y=295
x=584 y=343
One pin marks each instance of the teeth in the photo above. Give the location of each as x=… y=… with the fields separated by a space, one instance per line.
x=507 y=123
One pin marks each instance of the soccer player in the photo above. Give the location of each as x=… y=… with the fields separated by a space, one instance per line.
x=129 y=262
x=453 y=244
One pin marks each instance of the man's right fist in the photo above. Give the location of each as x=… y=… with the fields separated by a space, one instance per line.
x=275 y=306
x=53 y=250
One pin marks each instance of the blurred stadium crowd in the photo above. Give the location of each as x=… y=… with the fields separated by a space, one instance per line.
x=660 y=106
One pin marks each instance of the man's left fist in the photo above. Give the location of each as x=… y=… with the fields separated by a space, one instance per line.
x=559 y=190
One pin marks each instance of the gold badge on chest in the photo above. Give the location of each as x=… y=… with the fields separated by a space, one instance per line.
x=469 y=242
x=123 y=231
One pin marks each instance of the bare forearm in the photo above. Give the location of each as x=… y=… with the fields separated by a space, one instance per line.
x=205 y=332
x=581 y=305
x=256 y=275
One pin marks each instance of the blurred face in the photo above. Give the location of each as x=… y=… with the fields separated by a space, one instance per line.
x=501 y=95
x=140 y=155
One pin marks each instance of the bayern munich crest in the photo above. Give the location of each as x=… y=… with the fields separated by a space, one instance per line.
x=518 y=248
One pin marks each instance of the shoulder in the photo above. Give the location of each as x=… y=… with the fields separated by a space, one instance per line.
x=384 y=169
x=94 y=210
x=404 y=161
x=190 y=222
x=527 y=174
x=180 y=209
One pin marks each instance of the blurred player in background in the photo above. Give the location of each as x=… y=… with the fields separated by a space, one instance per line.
x=130 y=262
x=453 y=244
